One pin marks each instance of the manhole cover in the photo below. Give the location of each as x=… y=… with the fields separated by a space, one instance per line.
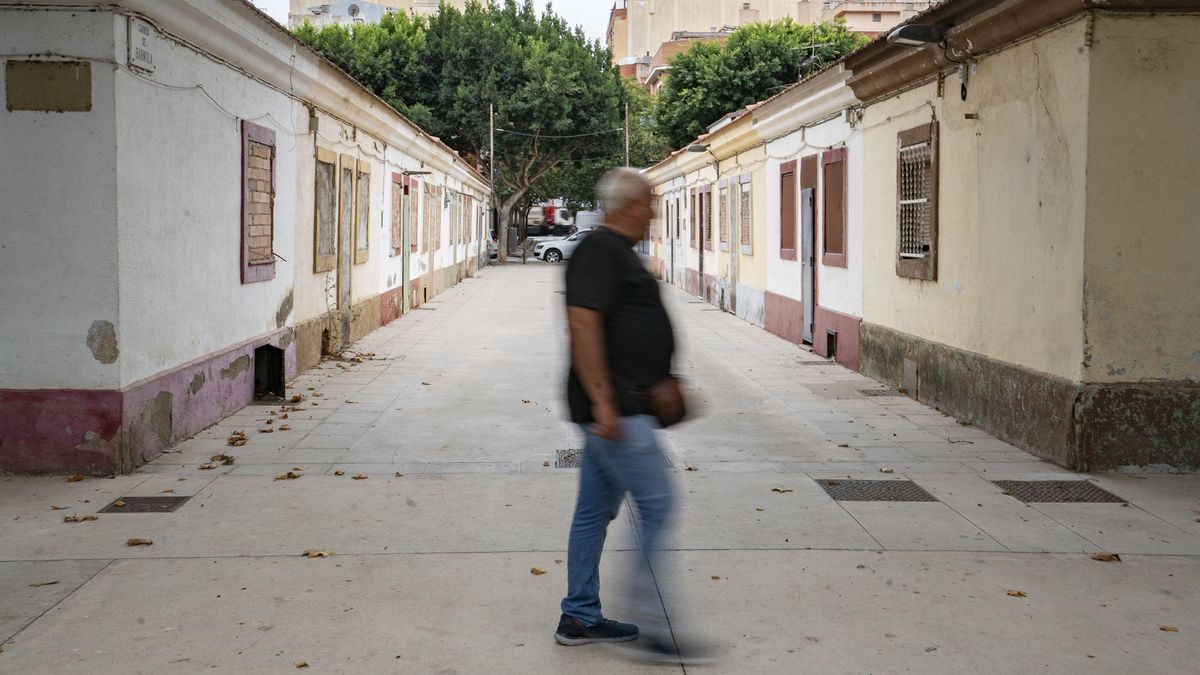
x=567 y=459
x=1057 y=491
x=145 y=505
x=879 y=392
x=875 y=490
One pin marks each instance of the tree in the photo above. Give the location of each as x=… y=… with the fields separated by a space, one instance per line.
x=710 y=80
x=558 y=98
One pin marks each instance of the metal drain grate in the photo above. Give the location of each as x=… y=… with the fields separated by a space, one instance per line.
x=875 y=490
x=879 y=392
x=1057 y=491
x=145 y=505
x=567 y=459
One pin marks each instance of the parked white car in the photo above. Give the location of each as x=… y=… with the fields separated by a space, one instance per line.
x=557 y=250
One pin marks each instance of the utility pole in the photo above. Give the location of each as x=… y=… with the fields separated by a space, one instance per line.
x=626 y=134
x=501 y=237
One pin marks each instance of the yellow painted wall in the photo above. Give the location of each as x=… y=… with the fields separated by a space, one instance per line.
x=1011 y=210
x=1142 y=257
x=752 y=269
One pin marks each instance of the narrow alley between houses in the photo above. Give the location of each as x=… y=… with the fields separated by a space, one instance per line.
x=432 y=466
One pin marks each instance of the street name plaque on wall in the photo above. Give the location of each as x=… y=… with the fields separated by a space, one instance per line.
x=141 y=45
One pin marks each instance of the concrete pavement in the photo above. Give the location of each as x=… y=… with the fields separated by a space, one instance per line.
x=432 y=567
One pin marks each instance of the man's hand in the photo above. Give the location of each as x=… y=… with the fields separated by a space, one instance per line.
x=608 y=421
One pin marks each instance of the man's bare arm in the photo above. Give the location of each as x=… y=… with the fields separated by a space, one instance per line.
x=591 y=366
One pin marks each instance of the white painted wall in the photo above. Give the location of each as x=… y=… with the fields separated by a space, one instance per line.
x=58 y=236
x=179 y=200
x=839 y=288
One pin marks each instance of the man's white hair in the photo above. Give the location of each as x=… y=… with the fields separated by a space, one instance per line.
x=619 y=187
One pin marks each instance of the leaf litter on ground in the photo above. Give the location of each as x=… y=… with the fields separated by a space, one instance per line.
x=317 y=553
x=138 y=541
x=537 y=571
x=1105 y=556
x=781 y=489
x=80 y=519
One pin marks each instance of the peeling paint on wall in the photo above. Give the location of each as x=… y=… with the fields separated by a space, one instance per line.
x=236 y=367
x=285 y=309
x=197 y=383
x=102 y=340
x=286 y=339
x=156 y=416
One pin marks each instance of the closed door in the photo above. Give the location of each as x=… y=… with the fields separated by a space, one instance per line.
x=807 y=268
x=345 y=255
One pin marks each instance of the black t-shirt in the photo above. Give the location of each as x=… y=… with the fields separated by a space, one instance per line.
x=606 y=275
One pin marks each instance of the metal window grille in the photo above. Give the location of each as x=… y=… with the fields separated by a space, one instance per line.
x=723 y=223
x=916 y=231
x=744 y=193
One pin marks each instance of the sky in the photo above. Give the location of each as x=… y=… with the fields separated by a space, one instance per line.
x=591 y=14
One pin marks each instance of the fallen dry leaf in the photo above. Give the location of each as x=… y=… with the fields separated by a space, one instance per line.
x=291 y=475
x=358 y=476
x=221 y=458
x=237 y=438
x=318 y=395
x=284 y=427
x=1168 y=629
x=266 y=431
x=399 y=475
x=1105 y=556
x=138 y=541
x=317 y=553
x=781 y=489
x=537 y=571
x=297 y=468
x=425 y=383
x=75 y=478
x=716 y=576
x=758 y=508
x=1018 y=594
x=119 y=503
x=168 y=491
x=339 y=472
x=302 y=664
x=58 y=508
x=691 y=468
x=284 y=416
x=312 y=388
x=886 y=469
x=546 y=463
x=296 y=398
x=1125 y=504
x=79 y=519
x=38 y=584
x=206 y=467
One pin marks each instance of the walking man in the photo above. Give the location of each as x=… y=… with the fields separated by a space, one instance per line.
x=621 y=346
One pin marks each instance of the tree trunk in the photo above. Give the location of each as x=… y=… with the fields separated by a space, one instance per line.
x=504 y=213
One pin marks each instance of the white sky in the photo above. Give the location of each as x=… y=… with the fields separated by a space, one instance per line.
x=591 y=14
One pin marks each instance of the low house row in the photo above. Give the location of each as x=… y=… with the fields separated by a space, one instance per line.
x=196 y=207
x=1001 y=223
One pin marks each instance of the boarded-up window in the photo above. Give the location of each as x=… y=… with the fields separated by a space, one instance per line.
x=706 y=215
x=723 y=218
x=693 y=217
x=362 y=213
x=787 y=210
x=833 y=231
x=745 y=214
x=916 y=208
x=399 y=213
x=325 y=218
x=258 y=203
x=346 y=197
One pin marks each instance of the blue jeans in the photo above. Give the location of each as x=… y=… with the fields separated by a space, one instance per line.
x=635 y=464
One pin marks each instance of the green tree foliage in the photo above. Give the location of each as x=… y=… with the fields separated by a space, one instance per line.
x=557 y=95
x=710 y=80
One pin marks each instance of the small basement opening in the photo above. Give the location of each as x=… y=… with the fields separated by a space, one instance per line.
x=268 y=373
x=831 y=344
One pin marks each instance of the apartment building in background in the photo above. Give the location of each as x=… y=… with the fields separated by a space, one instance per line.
x=357 y=11
x=644 y=35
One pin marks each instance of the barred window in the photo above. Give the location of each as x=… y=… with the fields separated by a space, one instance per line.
x=916 y=207
x=723 y=218
x=745 y=215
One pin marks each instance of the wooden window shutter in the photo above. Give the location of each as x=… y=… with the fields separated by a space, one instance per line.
x=787 y=210
x=833 y=165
